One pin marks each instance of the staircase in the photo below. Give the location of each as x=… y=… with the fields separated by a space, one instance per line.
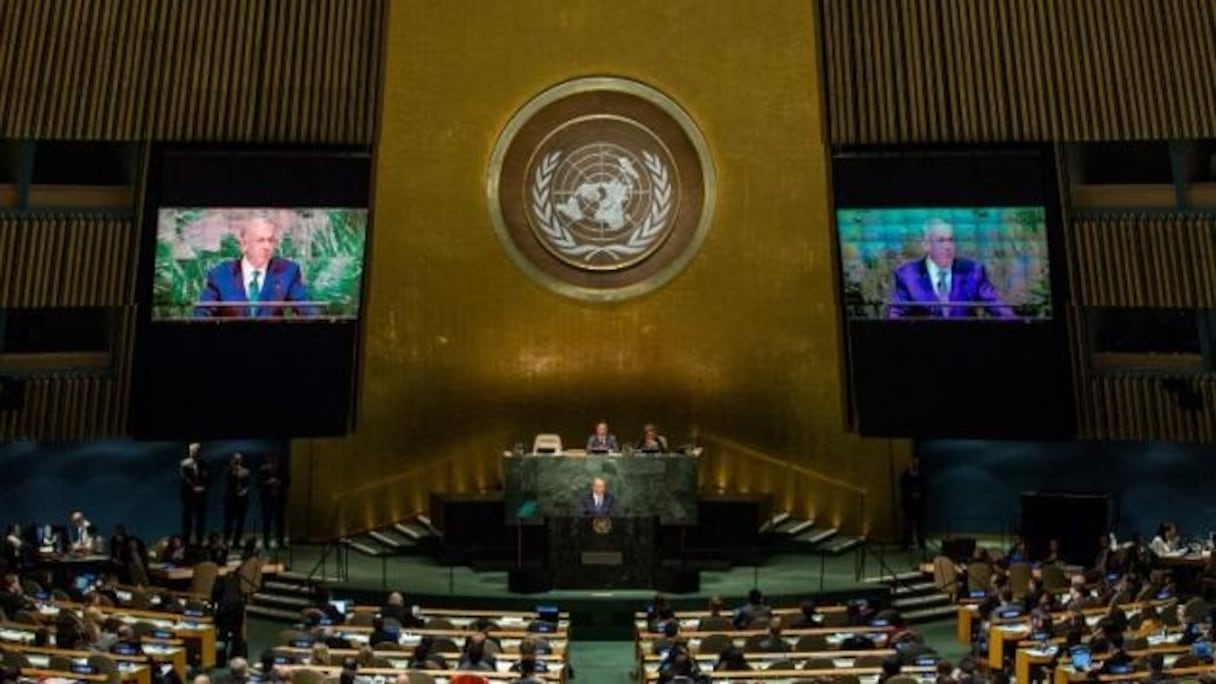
x=915 y=595
x=413 y=536
x=787 y=532
x=283 y=597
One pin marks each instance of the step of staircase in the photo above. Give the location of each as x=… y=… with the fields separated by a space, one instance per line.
x=788 y=526
x=412 y=530
x=279 y=586
x=921 y=601
x=392 y=539
x=887 y=578
x=932 y=614
x=264 y=598
x=273 y=613
x=841 y=544
x=914 y=588
x=774 y=522
x=295 y=576
x=425 y=521
x=365 y=545
x=814 y=536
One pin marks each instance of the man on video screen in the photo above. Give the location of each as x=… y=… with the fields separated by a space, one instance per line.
x=258 y=276
x=942 y=286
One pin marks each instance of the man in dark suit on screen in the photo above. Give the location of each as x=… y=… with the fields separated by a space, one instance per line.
x=599 y=501
x=258 y=276
x=942 y=286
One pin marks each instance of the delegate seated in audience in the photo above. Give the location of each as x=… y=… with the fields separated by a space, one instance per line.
x=1040 y=624
x=1017 y=552
x=527 y=672
x=126 y=640
x=1053 y=552
x=424 y=658
x=771 y=642
x=174 y=551
x=1150 y=622
x=1117 y=660
x=380 y=633
x=13 y=597
x=474 y=657
x=678 y=664
x=394 y=608
x=659 y=612
x=1156 y=669
x=238 y=672
x=808 y=616
x=755 y=609
x=538 y=645
x=215 y=550
x=1167 y=540
x=671 y=637
x=319 y=655
x=732 y=660
x=890 y=668
x=1034 y=594
x=529 y=649
x=716 y=621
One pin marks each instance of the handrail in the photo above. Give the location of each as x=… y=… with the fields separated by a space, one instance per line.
x=728 y=445
x=781 y=462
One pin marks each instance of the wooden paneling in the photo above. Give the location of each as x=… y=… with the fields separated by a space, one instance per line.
x=1016 y=70
x=287 y=70
x=1137 y=407
x=66 y=260
x=1149 y=260
x=77 y=405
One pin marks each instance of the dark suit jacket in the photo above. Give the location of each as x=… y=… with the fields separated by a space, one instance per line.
x=607 y=508
x=914 y=293
x=282 y=283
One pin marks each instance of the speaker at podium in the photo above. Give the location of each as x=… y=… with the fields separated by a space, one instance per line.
x=601 y=552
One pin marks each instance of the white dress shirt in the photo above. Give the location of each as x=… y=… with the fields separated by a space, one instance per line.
x=247 y=271
x=936 y=272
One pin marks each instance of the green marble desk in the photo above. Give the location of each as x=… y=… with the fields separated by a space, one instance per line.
x=644 y=485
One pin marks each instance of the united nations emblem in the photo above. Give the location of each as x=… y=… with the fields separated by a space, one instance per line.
x=601 y=525
x=601 y=188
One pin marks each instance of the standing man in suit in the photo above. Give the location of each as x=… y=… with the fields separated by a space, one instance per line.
x=941 y=286
x=258 y=276
x=273 y=480
x=912 y=503
x=236 y=500
x=602 y=440
x=196 y=482
x=599 y=501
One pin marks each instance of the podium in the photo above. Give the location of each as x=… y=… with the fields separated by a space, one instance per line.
x=601 y=552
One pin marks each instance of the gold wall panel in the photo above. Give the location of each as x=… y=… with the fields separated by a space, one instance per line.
x=287 y=70
x=1015 y=70
x=464 y=355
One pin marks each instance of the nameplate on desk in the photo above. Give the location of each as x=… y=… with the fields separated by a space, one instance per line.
x=603 y=558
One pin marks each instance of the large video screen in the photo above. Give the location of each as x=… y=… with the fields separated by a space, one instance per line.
x=945 y=263
x=951 y=263
x=264 y=264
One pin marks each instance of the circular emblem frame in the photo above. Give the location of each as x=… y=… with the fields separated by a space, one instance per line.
x=601 y=188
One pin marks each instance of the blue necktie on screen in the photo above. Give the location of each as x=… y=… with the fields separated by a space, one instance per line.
x=943 y=290
x=255 y=290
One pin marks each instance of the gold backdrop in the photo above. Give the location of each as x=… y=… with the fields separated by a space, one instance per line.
x=463 y=355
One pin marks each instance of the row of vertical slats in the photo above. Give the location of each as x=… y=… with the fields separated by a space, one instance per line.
x=281 y=71
x=1019 y=70
x=66 y=260
x=68 y=406
x=1147 y=408
x=1150 y=260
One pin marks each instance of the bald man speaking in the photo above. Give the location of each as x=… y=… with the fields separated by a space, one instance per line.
x=941 y=285
x=599 y=501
